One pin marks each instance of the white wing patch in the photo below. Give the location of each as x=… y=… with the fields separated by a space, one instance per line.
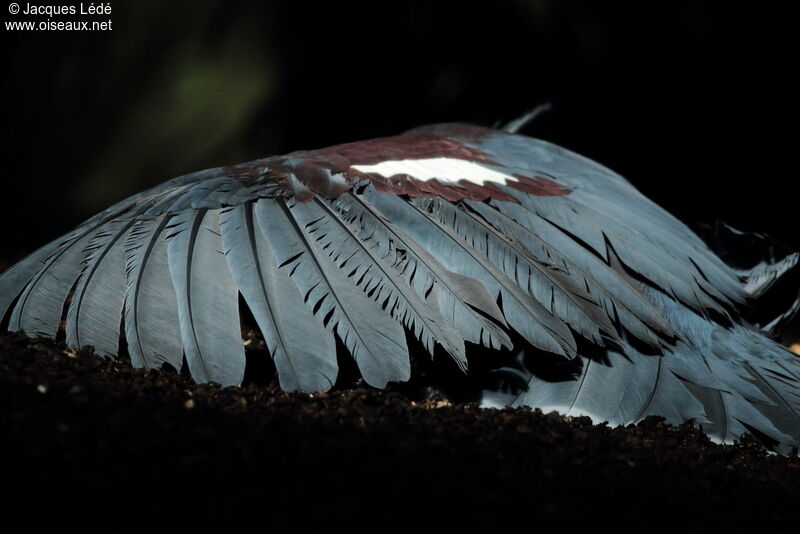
x=443 y=169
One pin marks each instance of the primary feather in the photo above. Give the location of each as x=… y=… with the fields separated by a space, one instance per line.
x=547 y=278
x=303 y=353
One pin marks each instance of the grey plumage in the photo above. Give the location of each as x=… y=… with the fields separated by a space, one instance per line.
x=760 y=278
x=464 y=302
x=508 y=255
x=304 y=354
x=636 y=314
x=375 y=340
x=652 y=261
x=39 y=308
x=100 y=291
x=522 y=313
x=42 y=282
x=150 y=302
x=16 y=278
x=377 y=279
x=207 y=298
x=540 y=278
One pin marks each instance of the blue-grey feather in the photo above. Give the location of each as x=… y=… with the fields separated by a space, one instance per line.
x=151 y=307
x=374 y=339
x=303 y=351
x=208 y=300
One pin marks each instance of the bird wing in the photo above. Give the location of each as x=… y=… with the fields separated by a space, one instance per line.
x=450 y=236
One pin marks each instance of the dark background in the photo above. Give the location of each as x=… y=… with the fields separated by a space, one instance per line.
x=695 y=103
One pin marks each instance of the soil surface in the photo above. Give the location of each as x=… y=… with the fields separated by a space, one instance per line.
x=91 y=443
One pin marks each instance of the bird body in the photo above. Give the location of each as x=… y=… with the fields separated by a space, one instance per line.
x=504 y=252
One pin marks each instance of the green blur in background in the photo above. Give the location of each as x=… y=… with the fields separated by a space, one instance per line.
x=689 y=100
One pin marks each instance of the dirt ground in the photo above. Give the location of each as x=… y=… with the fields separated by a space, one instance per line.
x=91 y=444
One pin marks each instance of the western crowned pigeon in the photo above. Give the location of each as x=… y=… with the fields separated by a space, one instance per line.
x=517 y=258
